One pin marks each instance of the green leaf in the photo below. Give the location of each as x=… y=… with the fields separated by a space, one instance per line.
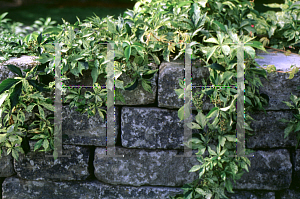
x=217 y=66
x=38 y=86
x=7 y=84
x=127 y=53
x=210 y=52
x=94 y=75
x=111 y=27
x=221 y=26
x=201 y=119
x=41 y=111
x=180 y=93
x=231 y=138
x=81 y=66
x=146 y=86
x=14 y=96
x=212 y=112
x=2 y=137
x=193 y=125
x=228 y=186
x=181 y=113
x=202 y=171
x=250 y=51
x=221 y=140
x=38 y=144
x=47 y=106
x=15 y=154
x=298 y=127
x=256 y=44
x=38 y=136
x=119 y=84
x=288 y=130
x=39 y=38
x=15 y=69
x=234 y=167
x=45 y=144
x=156 y=59
x=210 y=151
x=212 y=40
x=195 y=168
x=132 y=85
x=2 y=98
x=13 y=138
x=52 y=31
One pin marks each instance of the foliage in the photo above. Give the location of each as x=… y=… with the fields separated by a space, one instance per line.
x=152 y=32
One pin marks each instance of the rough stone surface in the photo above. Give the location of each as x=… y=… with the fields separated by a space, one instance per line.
x=82 y=130
x=36 y=166
x=279 y=88
x=268 y=131
x=251 y=195
x=15 y=188
x=6 y=164
x=169 y=74
x=290 y=194
x=144 y=167
x=278 y=59
x=270 y=170
x=297 y=170
x=164 y=131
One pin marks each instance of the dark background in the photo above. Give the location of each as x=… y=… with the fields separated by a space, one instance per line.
x=27 y=11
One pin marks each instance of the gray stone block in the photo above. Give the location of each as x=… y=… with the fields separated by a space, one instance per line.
x=251 y=195
x=268 y=131
x=279 y=88
x=82 y=130
x=169 y=73
x=290 y=194
x=144 y=167
x=270 y=170
x=36 y=166
x=6 y=164
x=296 y=177
x=164 y=131
x=15 y=188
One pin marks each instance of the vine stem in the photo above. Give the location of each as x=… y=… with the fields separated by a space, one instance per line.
x=280 y=50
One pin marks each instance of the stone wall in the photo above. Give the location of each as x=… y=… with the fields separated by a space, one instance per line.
x=149 y=134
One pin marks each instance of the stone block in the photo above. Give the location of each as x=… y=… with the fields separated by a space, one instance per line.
x=164 y=131
x=6 y=164
x=36 y=166
x=169 y=73
x=144 y=167
x=15 y=188
x=296 y=177
x=82 y=130
x=253 y=195
x=270 y=170
x=290 y=194
x=268 y=131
